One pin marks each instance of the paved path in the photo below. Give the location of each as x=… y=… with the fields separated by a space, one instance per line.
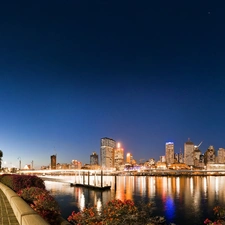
x=7 y=216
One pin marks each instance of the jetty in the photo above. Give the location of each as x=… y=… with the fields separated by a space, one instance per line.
x=94 y=184
x=107 y=187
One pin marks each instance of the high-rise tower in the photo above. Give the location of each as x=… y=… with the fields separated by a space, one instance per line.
x=53 y=162
x=107 y=152
x=189 y=153
x=169 y=152
x=94 y=158
x=118 y=156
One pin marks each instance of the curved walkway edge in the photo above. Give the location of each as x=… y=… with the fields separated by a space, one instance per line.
x=15 y=211
x=7 y=216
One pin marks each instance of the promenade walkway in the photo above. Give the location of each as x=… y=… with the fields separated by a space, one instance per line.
x=7 y=216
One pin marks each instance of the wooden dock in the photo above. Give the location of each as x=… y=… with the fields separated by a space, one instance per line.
x=91 y=186
x=96 y=185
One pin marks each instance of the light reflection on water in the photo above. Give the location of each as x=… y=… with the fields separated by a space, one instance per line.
x=182 y=200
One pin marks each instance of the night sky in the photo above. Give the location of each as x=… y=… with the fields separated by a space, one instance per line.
x=139 y=72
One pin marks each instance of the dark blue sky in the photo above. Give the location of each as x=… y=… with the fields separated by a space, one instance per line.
x=140 y=72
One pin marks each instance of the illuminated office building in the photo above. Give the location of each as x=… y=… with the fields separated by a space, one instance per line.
x=53 y=162
x=94 y=158
x=75 y=164
x=107 y=152
x=221 y=155
x=210 y=155
x=189 y=153
x=162 y=158
x=129 y=158
x=169 y=152
x=118 y=156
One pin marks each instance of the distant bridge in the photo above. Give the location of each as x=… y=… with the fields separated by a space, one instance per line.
x=74 y=172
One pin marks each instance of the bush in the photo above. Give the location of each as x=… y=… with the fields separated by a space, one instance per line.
x=32 y=190
x=29 y=194
x=42 y=202
x=18 y=182
x=219 y=213
x=116 y=212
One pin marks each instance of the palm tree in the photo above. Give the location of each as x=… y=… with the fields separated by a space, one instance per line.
x=1 y=154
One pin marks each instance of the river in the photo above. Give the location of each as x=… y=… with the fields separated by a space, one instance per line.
x=182 y=200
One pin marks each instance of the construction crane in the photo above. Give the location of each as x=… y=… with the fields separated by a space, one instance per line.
x=197 y=146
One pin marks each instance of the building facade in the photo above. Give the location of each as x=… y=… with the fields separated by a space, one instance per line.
x=107 y=148
x=94 y=158
x=189 y=153
x=210 y=155
x=221 y=155
x=53 y=162
x=75 y=164
x=118 y=156
x=169 y=152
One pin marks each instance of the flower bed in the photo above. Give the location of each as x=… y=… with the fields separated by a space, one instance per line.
x=117 y=212
x=219 y=213
x=32 y=190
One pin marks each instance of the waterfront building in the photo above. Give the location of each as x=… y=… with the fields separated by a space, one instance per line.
x=178 y=158
x=189 y=153
x=151 y=161
x=62 y=166
x=75 y=164
x=221 y=155
x=118 y=156
x=210 y=156
x=53 y=162
x=160 y=165
x=215 y=166
x=94 y=158
x=181 y=157
x=197 y=154
x=169 y=152
x=162 y=158
x=129 y=158
x=107 y=152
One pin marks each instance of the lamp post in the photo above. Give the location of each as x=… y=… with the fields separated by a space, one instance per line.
x=19 y=163
x=1 y=154
x=32 y=164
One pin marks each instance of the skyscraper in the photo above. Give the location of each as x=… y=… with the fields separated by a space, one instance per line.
x=221 y=155
x=169 y=152
x=94 y=158
x=118 y=156
x=107 y=152
x=53 y=162
x=210 y=155
x=189 y=153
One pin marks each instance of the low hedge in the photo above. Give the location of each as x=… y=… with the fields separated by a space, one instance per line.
x=43 y=203
x=18 y=182
x=32 y=190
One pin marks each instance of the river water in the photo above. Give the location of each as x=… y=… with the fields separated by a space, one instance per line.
x=182 y=200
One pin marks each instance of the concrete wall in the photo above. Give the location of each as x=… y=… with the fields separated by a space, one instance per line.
x=23 y=212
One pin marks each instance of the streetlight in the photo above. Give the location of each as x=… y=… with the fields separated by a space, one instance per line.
x=1 y=154
x=19 y=163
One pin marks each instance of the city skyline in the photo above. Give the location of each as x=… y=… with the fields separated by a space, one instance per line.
x=142 y=73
